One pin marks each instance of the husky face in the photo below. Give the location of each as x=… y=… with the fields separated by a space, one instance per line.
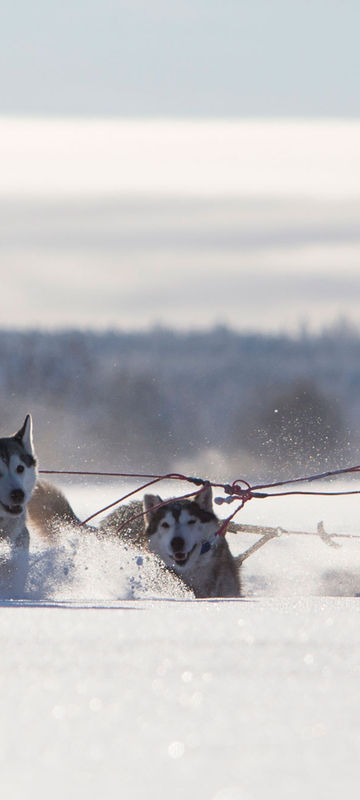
x=17 y=471
x=178 y=529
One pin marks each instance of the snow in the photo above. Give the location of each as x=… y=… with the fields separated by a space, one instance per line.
x=218 y=700
x=109 y=691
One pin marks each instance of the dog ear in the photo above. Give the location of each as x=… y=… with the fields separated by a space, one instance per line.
x=150 y=501
x=204 y=498
x=24 y=435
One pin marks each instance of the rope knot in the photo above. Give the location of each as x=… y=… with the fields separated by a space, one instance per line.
x=244 y=491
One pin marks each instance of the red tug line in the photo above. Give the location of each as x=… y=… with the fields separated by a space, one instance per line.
x=235 y=491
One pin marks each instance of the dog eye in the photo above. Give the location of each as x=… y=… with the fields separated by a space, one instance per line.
x=20 y=469
x=165 y=525
x=191 y=521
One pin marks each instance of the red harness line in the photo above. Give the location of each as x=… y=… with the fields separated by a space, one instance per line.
x=244 y=492
x=142 y=513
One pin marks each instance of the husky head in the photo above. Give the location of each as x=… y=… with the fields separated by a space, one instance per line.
x=17 y=471
x=177 y=530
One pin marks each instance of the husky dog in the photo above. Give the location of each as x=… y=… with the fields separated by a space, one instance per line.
x=181 y=533
x=17 y=480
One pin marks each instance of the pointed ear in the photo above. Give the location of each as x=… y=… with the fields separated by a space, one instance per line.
x=204 y=498
x=24 y=435
x=151 y=500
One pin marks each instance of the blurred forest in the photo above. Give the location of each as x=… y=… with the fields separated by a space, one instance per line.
x=219 y=403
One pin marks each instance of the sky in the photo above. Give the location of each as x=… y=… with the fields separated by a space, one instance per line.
x=246 y=158
x=180 y=163
x=186 y=58
x=185 y=224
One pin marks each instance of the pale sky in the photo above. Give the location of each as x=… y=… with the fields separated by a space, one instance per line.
x=180 y=57
x=77 y=262
x=242 y=158
x=254 y=224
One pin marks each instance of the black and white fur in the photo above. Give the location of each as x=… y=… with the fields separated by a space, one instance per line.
x=179 y=532
x=17 y=480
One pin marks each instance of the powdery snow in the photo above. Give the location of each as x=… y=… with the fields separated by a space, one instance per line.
x=157 y=698
x=214 y=700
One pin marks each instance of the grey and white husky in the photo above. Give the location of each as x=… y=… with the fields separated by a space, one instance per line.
x=17 y=480
x=182 y=533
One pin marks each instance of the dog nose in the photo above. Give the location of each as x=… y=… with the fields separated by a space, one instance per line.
x=17 y=495
x=177 y=544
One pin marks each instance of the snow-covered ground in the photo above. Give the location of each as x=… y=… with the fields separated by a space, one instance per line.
x=214 y=700
x=106 y=695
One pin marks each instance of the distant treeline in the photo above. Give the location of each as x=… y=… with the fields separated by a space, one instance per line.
x=220 y=400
